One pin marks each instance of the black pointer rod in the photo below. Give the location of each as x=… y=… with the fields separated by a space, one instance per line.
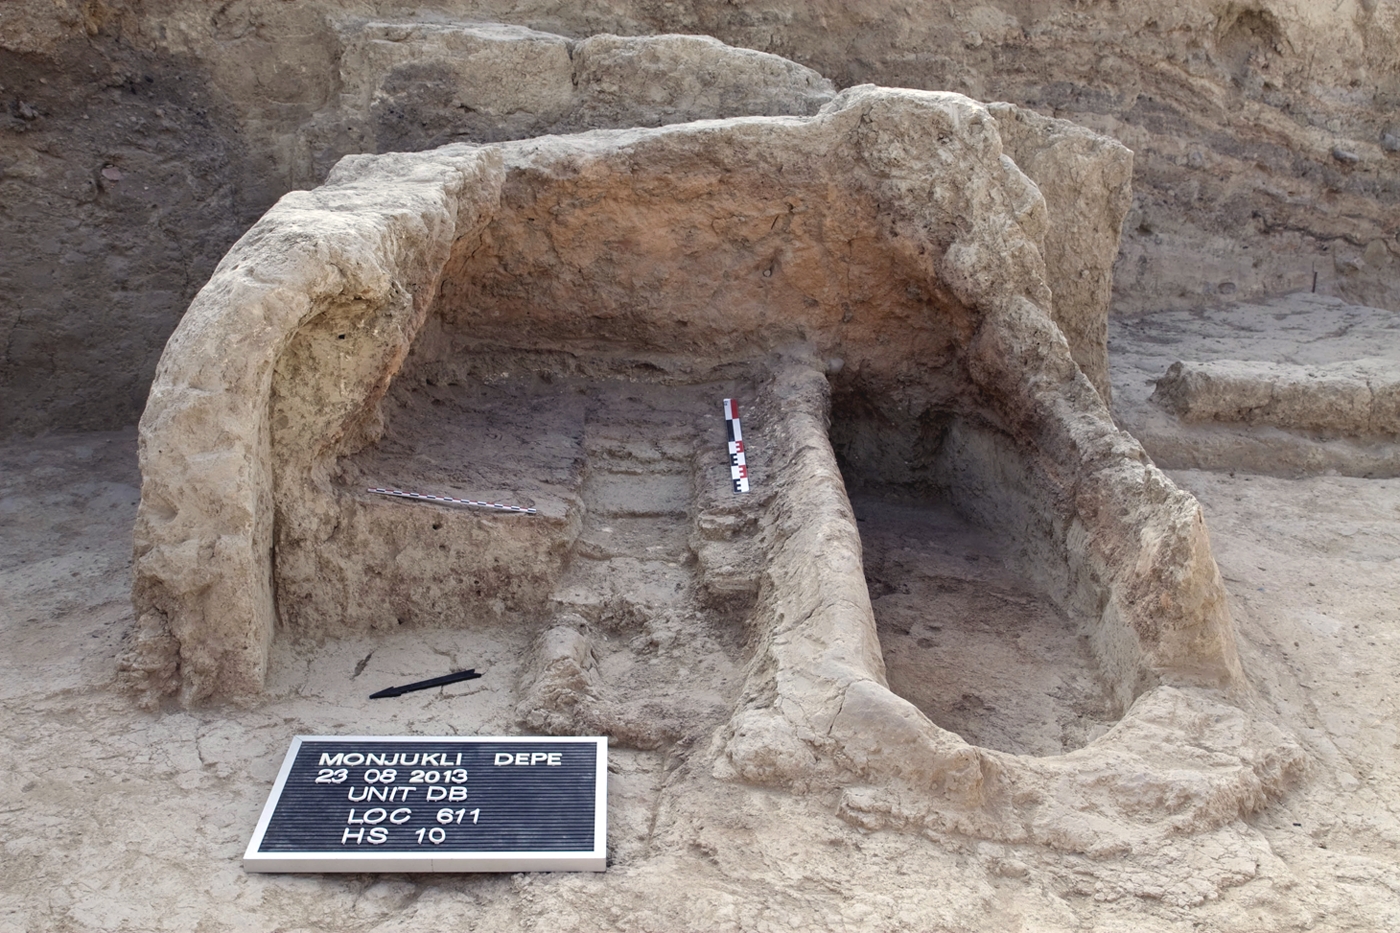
x=442 y=681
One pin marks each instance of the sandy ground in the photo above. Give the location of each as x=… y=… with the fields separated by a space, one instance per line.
x=115 y=818
x=1300 y=329
x=968 y=642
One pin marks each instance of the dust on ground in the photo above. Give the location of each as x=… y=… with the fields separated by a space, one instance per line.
x=968 y=640
x=115 y=818
x=1302 y=329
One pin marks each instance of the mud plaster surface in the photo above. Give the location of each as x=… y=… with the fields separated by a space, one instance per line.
x=1302 y=329
x=967 y=641
x=112 y=818
x=629 y=456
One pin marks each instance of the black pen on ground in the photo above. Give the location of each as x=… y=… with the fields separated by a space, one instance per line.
x=442 y=681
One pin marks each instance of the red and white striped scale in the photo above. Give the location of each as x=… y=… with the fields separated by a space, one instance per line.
x=738 y=463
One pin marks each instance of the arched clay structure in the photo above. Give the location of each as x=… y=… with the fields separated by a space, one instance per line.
x=891 y=232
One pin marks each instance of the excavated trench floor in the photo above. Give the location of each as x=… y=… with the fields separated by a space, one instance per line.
x=965 y=634
x=666 y=668
x=968 y=639
x=1314 y=561
x=631 y=461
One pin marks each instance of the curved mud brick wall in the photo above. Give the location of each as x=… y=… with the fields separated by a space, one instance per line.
x=890 y=241
x=817 y=713
x=365 y=252
x=181 y=152
x=144 y=138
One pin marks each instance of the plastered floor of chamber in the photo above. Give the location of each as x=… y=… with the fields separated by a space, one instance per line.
x=112 y=818
x=663 y=666
x=664 y=669
x=968 y=639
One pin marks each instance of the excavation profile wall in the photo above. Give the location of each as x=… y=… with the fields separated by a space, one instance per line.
x=890 y=240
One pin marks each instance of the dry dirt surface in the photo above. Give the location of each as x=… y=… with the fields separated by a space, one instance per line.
x=117 y=818
x=968 y=641
x=1298 y=333
x=138 y=140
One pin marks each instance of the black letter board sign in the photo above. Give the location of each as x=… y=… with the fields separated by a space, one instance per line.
x=411 y=803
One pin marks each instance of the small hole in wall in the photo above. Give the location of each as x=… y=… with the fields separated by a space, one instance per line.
x=437 y=526
x=340 y=337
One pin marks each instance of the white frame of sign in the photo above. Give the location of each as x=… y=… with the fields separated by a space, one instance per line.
x=594 y=859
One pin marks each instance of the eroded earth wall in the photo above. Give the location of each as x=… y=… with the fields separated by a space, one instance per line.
x=139 y=140
x=666 y=259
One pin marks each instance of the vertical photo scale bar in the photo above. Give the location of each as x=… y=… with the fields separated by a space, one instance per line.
x=738 y=462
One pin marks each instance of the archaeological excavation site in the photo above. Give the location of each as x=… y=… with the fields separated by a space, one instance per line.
x=950 y=458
